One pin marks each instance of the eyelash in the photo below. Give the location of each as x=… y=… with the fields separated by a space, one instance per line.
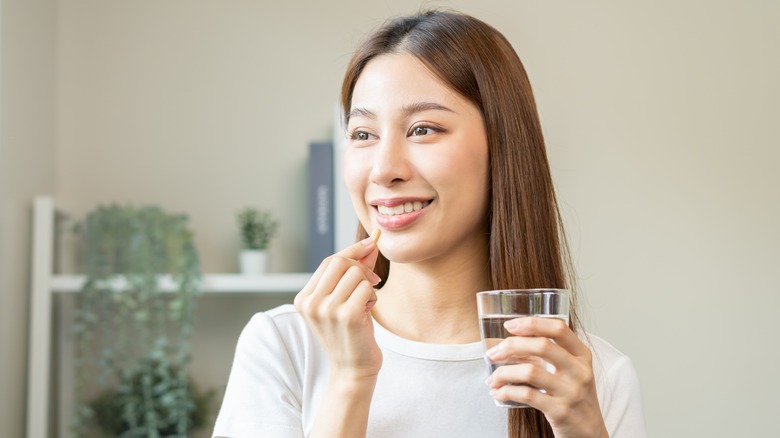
x=354 y=135
x=430 y=130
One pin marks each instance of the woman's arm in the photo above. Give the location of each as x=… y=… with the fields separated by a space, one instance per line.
x=344 y=408
x=336 y=304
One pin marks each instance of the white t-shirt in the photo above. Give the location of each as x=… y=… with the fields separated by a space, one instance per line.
x=280 y=373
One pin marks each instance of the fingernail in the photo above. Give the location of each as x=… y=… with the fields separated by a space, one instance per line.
x=375 y=279
x=510 y=325
x=367 y=241
x=492 y=352
x=487 y=381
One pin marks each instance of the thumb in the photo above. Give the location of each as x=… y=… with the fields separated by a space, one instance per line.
x=370 y=260
x=364 y=251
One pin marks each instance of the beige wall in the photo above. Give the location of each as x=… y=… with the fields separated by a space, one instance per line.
x=659 y=118
x=27 y=168
x=661 y=125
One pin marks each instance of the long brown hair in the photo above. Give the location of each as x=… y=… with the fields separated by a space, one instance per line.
x=527 y=245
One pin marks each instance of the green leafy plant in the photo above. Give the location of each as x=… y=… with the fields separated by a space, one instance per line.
x=257 y=228
x=133 y=341
x=130 y=393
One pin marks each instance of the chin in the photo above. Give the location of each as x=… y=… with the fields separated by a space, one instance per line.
x=403 y=254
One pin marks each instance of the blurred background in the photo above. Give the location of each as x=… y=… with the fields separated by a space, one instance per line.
x=660 y=118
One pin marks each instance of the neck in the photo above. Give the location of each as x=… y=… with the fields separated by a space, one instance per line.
x=433 y=302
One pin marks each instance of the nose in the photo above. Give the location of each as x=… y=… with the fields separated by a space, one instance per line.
x=391 y=164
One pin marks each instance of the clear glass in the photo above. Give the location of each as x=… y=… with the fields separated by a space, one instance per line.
x=498 y=306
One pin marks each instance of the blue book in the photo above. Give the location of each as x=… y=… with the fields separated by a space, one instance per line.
x=321 y=203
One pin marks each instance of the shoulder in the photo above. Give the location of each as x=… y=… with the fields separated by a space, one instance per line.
x=285 y=311
x=265 y=393
x=617 y=385
x=282 y=324
x=282 y=315
x=274 y=335
x=605 y=356
x=611 y=367
x=283 y=318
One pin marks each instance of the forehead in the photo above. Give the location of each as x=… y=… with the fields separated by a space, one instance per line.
x=393 y=80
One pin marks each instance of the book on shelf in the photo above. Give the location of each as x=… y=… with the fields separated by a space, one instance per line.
x=321 y=203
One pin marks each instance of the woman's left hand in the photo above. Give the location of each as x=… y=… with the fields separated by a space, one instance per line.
x=569 y=402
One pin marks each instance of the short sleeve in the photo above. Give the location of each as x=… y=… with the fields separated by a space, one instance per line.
x=263 y=394
x=621 y=401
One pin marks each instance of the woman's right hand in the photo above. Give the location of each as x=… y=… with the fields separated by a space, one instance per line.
x=336 y=303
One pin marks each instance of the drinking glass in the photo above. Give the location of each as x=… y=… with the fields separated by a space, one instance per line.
x=496 y=307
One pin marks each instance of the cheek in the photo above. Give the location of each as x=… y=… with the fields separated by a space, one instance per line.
x=468 y=168
x=355 y=172
x=467 y=175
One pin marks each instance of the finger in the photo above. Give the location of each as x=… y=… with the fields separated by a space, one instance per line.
x=357 y=292
x=314 y=279
x=359 y=250
x=517 y=348
x=337 y=268
x=523 y=394
x=324 y=303
x=347 y=284
x=363 y=298
x=366 y=252
x=553 y=328
x=370 y=259
x=526 y=373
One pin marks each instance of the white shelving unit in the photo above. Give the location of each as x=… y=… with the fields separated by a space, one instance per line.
x=212 y=283
x=44 y=284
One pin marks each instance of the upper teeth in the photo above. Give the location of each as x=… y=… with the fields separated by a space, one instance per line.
x=406 y=207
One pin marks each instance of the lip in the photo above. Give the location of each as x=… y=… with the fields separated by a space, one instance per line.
x=392 y=202
x=398 y=221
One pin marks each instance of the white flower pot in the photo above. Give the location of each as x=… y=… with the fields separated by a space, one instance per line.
x=254 y=261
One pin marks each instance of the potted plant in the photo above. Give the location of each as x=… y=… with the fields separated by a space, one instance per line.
x=108 y=404
x=257 y=229
x=133 y=340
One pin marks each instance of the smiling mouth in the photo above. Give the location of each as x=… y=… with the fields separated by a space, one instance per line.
x=406 y=207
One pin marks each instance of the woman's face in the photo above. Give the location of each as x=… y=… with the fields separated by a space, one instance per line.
x=416 y=162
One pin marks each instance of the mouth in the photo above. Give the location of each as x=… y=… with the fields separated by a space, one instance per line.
x=398 y=208
x=399 y=213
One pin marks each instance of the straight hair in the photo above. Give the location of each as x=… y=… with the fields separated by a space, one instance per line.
x=527 y=246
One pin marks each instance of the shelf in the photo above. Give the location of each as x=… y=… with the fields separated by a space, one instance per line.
x=212 y=283
x=44 y=285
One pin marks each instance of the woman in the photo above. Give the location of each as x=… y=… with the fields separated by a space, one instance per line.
x=445 y=156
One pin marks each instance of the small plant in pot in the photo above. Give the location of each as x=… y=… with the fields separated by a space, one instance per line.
x=257 y=229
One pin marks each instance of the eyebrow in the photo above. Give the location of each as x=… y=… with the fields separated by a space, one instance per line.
x=407 y=110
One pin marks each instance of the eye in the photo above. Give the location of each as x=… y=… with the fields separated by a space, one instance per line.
x=359 y=135
x=423 y=130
